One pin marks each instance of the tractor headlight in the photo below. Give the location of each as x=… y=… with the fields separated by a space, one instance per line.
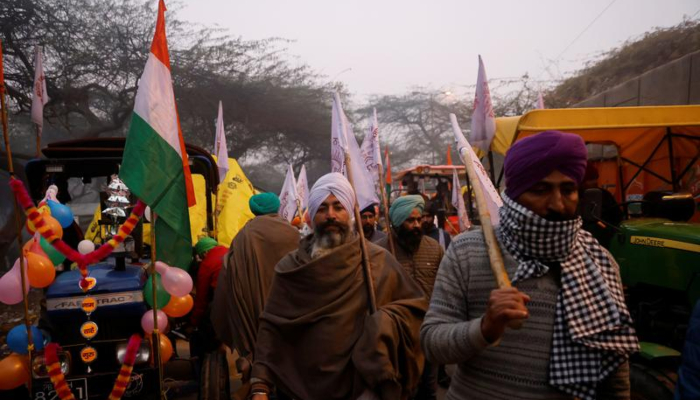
x=142 y=354
x=41 y=370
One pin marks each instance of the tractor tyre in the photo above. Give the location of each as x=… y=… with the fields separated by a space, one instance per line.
x=649 y=384
x=214 y=379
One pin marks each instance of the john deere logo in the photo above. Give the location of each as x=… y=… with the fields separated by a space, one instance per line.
x=88 y=330
x=91 y=283
x=88 y=354
x=89 y=304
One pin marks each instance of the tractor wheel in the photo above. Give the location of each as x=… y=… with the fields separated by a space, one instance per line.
x=214 y=380
x=650 y=384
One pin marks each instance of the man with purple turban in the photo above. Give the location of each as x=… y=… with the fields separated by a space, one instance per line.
x=317 y=339
x=576 y=334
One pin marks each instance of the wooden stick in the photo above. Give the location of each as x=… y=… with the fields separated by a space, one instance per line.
x=385 y=203
x=18 y=223
x=371 y=296
x=38 y=140
x=155 y=335
x=495 y=256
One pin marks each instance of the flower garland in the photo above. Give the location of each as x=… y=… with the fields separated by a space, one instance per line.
x=83 y=260
x=59 y=380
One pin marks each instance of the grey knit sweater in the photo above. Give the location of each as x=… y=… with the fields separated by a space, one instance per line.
x=517 y=366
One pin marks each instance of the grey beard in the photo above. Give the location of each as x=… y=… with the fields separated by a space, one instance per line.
x=324 y=243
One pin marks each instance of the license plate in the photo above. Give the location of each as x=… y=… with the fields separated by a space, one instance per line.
x=77 y=386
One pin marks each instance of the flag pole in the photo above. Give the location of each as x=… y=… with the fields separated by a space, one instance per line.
x=155 y=335
x=38 y=140
x=495 y=256
x=18 y=218
x=363 y=244
x=385 y=204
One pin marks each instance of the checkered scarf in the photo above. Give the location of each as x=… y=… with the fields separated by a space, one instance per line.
x=593 y=332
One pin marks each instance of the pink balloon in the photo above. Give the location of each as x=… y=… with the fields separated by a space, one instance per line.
x=147 y=321
x=177 y=282
x=162 y=267
x=11 y=285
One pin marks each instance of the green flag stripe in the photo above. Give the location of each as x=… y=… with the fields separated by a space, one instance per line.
x=153 y=172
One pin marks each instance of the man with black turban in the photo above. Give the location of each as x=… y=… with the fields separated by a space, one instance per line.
x=577 y=333
x=317 y=339
x=369 y=224
x=420 y=257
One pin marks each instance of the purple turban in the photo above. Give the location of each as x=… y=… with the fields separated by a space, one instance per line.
x=530 y=160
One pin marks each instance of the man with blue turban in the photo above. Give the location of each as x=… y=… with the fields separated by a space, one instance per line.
x=576 y=335
x=420 y=257
x=316 y=338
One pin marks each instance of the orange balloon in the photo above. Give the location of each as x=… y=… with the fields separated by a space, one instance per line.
x=33 y=246
x=40 y=270
x=178 y=306
x=54 y=225
x=166 y=349
x=14 y=371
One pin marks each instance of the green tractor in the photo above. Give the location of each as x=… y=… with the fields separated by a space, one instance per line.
x=642 y=206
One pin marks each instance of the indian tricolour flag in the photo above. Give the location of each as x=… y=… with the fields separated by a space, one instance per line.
x=155 y=165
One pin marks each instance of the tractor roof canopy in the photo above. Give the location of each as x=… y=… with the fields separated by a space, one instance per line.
x=654 y=148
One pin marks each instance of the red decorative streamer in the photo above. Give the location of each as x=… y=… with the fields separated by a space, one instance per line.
x=83 y=260
x=124 y=376
x=120 y=384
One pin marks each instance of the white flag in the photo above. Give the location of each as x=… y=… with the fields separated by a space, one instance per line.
x=40 y=96
x=288 y=197
x=493 y=199
x=342 y=140
x=220 y=148
x=458 y=202
x=303 y=188
x=483 y=119
x=338 y=133
x=540 y=101
x=370 y=149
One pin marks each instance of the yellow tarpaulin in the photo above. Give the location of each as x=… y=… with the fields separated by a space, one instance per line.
x=231 y=210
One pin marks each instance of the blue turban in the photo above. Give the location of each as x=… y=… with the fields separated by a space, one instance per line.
x=402 y=208
x=532 y=159
x=264 y=203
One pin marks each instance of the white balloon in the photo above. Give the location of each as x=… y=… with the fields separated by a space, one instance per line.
x=85 y=247
x=147 y=214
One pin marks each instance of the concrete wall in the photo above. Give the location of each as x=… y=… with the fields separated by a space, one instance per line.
x=677 y=82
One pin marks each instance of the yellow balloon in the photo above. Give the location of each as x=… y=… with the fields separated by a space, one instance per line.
x=178 y=306
x=14 y=371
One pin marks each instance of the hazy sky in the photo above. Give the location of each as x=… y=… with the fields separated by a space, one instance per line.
x=388 y=46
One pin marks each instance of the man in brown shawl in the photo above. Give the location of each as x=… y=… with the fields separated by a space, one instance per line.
x=245 y=280
x=317 y=340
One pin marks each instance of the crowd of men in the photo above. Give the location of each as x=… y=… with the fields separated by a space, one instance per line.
x=345 y=313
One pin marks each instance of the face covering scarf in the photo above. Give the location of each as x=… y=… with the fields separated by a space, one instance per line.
x=593 y=333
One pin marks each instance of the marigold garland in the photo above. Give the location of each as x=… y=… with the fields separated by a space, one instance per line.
x=120 y=384
x=83 y=260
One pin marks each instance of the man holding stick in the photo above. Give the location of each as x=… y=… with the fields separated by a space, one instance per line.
x=577 y=333
x=317 y=339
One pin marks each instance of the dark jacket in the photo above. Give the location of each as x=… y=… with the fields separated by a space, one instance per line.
x=689 y=373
